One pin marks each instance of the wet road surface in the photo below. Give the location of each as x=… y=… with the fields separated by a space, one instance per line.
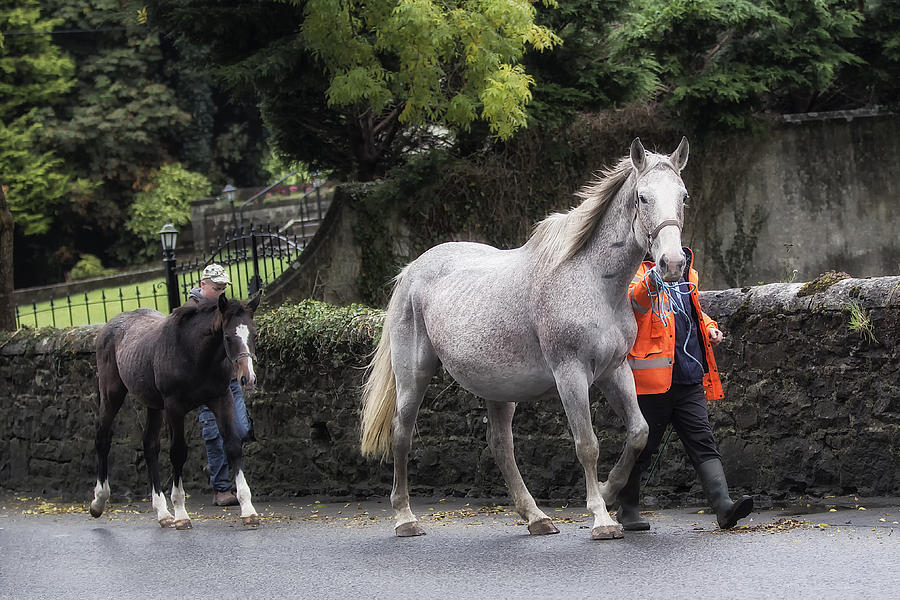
x=308 y=548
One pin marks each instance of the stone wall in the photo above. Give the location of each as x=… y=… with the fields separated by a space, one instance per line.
x=796 y=201
x=811 y=408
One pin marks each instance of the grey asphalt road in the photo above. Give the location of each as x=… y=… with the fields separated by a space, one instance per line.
x=474 y=549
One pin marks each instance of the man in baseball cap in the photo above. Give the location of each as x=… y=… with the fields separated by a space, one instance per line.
x=213 y=282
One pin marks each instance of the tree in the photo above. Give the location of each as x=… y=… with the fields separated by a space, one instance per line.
x=582 y=74
x=7 y=306
x=165 y=199
x=362 y=84
x=718 y=61
x=32 y=72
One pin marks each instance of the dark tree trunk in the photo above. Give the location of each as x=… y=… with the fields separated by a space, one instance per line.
x=7 y=308
x=373 y=140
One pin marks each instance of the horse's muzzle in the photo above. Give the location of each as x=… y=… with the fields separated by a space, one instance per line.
x=671 y=270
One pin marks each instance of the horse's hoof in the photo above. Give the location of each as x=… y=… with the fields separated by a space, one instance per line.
x=410 y=529
x=607 y=532
x=183 y=524
x=542 y=527
x=95 y=512
x=167 y=522
x=250 y=521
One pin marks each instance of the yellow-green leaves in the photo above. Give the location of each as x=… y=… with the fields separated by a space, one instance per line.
x=504 y=97
x=447 y=62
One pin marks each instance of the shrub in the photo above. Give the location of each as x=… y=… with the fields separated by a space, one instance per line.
x=87 y=267
x=166 y=199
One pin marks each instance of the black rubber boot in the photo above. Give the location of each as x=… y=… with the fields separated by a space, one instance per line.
x=629 y=513
x=728 y=513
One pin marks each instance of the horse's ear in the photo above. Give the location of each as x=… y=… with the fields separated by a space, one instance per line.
x=638 y=155
x=254 y=302
x=679 y=158
x=223 y=303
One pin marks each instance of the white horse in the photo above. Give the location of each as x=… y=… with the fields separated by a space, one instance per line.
x=512 y=325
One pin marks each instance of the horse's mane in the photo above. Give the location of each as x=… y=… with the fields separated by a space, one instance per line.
x=560 y=236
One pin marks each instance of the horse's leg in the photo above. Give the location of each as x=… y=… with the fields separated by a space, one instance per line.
x=112 y=393
x=573 y=384
x=618 y=390
x=178 y=455
x=500 y=440
x=151 y=457
x=224 y=412
x=414 y=362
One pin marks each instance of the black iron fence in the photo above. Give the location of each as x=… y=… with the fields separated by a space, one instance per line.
x=254 y=256
x=85 y=308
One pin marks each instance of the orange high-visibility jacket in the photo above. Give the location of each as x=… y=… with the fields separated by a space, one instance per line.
x=653 y=354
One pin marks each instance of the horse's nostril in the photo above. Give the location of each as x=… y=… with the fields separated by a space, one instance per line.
x=243 y=380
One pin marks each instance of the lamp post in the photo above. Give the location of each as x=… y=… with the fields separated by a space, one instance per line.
x=168 y=235
x=229 y=191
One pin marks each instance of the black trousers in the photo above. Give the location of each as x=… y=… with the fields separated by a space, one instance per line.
x=684 y=406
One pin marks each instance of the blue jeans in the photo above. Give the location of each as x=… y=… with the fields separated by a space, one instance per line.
x=219 y=477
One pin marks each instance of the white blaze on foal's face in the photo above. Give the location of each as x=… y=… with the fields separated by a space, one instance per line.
x=246 y=363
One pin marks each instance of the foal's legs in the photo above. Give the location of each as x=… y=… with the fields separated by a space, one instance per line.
x=112 y=394
x=500 y=440
x=178 y=454
x=618 y=390
x=151 y=457
x=573 y=384
x=224 y=411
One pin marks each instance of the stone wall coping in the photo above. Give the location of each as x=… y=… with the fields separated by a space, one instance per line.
x=76 y=340
x=871 y=292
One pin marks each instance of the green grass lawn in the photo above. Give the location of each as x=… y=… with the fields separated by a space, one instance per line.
x=99 y=306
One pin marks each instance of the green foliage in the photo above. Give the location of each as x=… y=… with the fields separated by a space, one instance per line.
x=88 y=267
x=581 y=74
x=363 y=85
x=117 y=125
x=312 y=330
x=719 y=61
x=37 y=183
x=165 y=199
x=32 y=72
x=424 y=57
x=860 y=322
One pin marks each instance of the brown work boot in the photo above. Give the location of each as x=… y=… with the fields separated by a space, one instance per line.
x=226 y=498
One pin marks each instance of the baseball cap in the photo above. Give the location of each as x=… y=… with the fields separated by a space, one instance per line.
x=216 y=274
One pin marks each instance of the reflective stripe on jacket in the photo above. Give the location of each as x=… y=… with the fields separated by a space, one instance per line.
x=653 y=355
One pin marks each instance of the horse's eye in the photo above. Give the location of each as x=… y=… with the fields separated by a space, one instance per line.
x=686 y=200
x=642 y=198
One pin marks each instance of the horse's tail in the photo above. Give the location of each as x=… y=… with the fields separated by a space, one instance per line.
x=380 y=394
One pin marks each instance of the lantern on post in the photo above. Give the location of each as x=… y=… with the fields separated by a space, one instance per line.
x=168 y=236
x=229 y=192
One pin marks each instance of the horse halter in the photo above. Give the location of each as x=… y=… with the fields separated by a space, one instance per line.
x=651 y=235
x=240 y=354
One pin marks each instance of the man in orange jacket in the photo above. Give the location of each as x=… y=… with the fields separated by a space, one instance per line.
x=675 y=375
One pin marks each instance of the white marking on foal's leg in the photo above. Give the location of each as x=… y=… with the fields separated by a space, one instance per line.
x=248 y=513
x=163 y=515
x=101 y=495
x=182 y=520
